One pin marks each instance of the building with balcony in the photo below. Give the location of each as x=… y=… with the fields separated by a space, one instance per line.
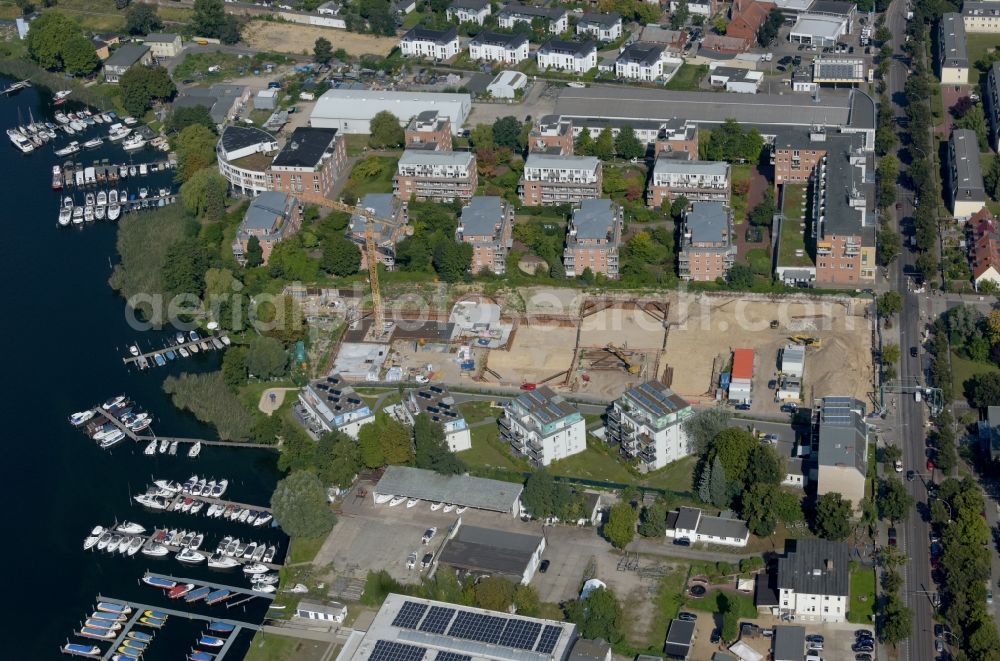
x=469 y=11
x=330 y=404
x=642 y=61
x=645 y=130
x=953 y=54
x=703 y=181
x=244 y=154
x=552 y=135
x=966 y=191
x=603 y=27
x=543 y=426
x=498 y=47
x=841 y=435
x=574 y=56
x=560 y=179
x=430 y=44
x=676 y=137
x=270 y=218
x=436 y=175
x=309 y=163
x=487 y=225
x=981 y=17
x=992 y=104
x=707 y=250
x=593 y=239
x=556 y=18
x=439 y=406
x=647 y=423
x=387 y=235
x=429 y=130
x=796 y=153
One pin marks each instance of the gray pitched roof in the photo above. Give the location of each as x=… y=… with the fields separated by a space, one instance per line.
x=491 y=38
x=719 y=526
x=461 y=490
x=966 y=165
x=419 y=33
x=127 y=55
x=954 y=51
x=608 y=20
x=264 y=209
x=490 y=550
x=816 y=566
x=645 y=53
x=578 y=48
x=160 y=37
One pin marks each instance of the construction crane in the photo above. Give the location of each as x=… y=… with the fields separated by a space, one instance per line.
x=371 y=256
x=630 y=367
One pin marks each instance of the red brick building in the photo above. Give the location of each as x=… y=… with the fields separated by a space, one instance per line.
x=309 y=163
x=429 y=130
x=552 y=135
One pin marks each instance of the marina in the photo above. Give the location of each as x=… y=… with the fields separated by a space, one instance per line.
x=214 y=586
x=225 y=509
x=192 y=344
x=111 y=204
x=78 y=175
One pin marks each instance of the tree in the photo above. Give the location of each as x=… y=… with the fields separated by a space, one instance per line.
x=79 y=57
x=758 y=509
x=234 y=368
x=266 y=358
x=740 y=277
x=705 y=484
x=890 y=354
x=983 y=389
x=507 y=132
x=598 y=616
x=494 y=593
x=526 y=600
x=432 y=449
x=653 y=521
x=338 y=459
x=209 y=18
x=140 y=86
x=992 y=177
x=390 y=437
x=889 y=304
x=718 y=489
x=891 y=581
x=142 y=19
x=769 y=29
x=181 y=118
x=183 y=270
x=620 y=526
x=341 y=256
x=300 y=506
x=889 y=245
x=386 y=131
x=975 y=120
x=323 y=50
x=705 y=426
x=680 y=15
x=369 y=448
x=544 y=497
x=763 y=213
x=604 y=146
x=731 y=143
x=892 y=500
x=627 y=144
x=896 y=621
x=48 y=36
x=254 y=253
x=204 y=194
x=195 y=147
x=993 y=327
x=452 y=259
x=584 y=145
x=833 y=517
x=733 y=448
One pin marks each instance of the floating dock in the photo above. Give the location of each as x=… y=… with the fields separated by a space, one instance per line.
x=208 y=500
x=211 y=343
x=108 y=417
x=104 y=171
x=215 y=586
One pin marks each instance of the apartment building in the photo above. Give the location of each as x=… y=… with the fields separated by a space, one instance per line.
x=469 y=11
x=647 y=423
x=593 y=238
x=695 y=180
x=556 y=18
x=984 y=248
x=329 y=404
x=953 y=55
x=439 y=406
x=429 y=130
x=387 y=235
x=309 y=163
x=747 y=18
x=487 y=224
x=553 y=135
x=574 y=56
x=677 y=136
x=543 y=426
x=603 y=27
x=645 y=130
x=992 y=104
x=431 y=44
x=641 y=61
x=498 y=47
x=795 y=155
x=244 y=154
x=707 y=250
x=841 y=434
x=551 y=179
x=814 y=581
x=981 y=17
x=966 y=191
x=270 y=218
x=436 y=175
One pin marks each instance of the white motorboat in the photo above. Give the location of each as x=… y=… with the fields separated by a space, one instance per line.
x=93 y=538
x=118 y=132
x=151 y=448
x=190 y=557
x=250 y=551
x=269 y=555
x=172 y=450
x=102 y=199
x=90 y=200
x=77 y=125
x=122 y=171
x=412 y=502
x=68 y=129
x=267 y=579
x=93 y=143
x=220 y=488
x=449 y=507
x=103 y=542
x=219 y=561
x=143 y=169
x=61 y=118
x=396 y=501
x=255 y=568
x=225 y=340
x=196 y=542
x=197 y=506
x=98 y=117
x=113 y=545
x=150 y=501
x=461 y=510
x=130 y=528
x=143 y=193
x=99 y=212
x=195 y=451
x=71 y=148
x=115 y=436
x=107 y=117
x=133 y=142
x=135 y=545
x=183 y=352
x=88 y=213
x=436 y=506
x=126 y=541
x=262 y=519
x=77 y=215
x=265 y=589
x=131 y=121
x=65 y=216
x=164 y=446
x=168 y=485
x=81 y=417
x=155 y=550
x=381 y=499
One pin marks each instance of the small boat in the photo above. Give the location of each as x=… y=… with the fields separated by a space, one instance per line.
x=143 y=193
x=196 y=542
x=101 y=634
x=197 y=595
x=61 y=96
x=157 y=614
x=171 y=355
x=135 y=644
x=250 y=551
x=139 y=635
x=132 y=171
x=159 y=359
x=103 y=624
x=61 y=118
x=111 y=607
x=271 y=552
x=255 y=568
x=133 y=142
x=130 y=528
x=217 y=597
x=221 y=627
x=93 y=142
x=396 y=501
x=164 y=445
x=117 y=132
x=77 y=215
x=436 y=506
x=71 y=148
x=264 y=589
x=211 y=641
x=179 y=591
x=127 y=653
x=243 y=516
x=141 y=425
x=197 y=506
x=195 y=451
x=449 y=507
x=159 y=582
x=193 y=348
x=155 y=550
x=267 y=579
x=131 y=121
x=126 y=542
x=94 y=536
x=135 y=545
x=108 y=617
x=103 y=542
x=78 y=419
x=98 y=117
x=77 y=649
x=196 y=655
x=122 y=171
x=150 y=501
x=168 y=485
x=412 y=502
x=219 y=561
x=183 y=352
x=151 y=622
x=99 y=212
x=220 y=488
x=461 y=510
x=190 y=557
x=173 y=448
x=113 y=545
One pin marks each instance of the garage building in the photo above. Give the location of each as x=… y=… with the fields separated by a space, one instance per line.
x=460 y=490
x=818 y=29
x=481 y=552
x=351 y=110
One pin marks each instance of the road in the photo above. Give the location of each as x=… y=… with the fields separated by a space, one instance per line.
x=914 y=540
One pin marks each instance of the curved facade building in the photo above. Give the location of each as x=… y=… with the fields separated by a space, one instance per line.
x=245 y=154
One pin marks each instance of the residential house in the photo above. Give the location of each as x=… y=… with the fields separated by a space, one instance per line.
x=693 y=524
x=984 y=248
x=641 y=61
x=498 y=47
x=747 y=18
x=309 y=163
x=966 y=190
x=981 y=17
x=244 y=154
x=707 y=250
x=841 y=434
x=673 y=40
x=430 y=44
x=647 y=423
x=329 y=8
x=163 y=44
x=953 y=55
x=695 y=180
x=469 y=11
x=439 y=406
x=706 y=8
x=436 y=175
x=487 y=225
x=543 y=426
x=814 y=581
x=603 y=27
x=551 y=179
x=271 y=217
x=125 y=58
x=677 y=138
x=556 y=18
x=429 y=130
x=574 y=56
x=552 y=134
x=330 y=404
x=593 y=239
x=103 y=44
x=387 y=234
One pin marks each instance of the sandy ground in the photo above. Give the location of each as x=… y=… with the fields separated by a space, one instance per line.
x=631 y=329
x=294 y=38
x=537 y=353
x=409 y=355
x=269 y=406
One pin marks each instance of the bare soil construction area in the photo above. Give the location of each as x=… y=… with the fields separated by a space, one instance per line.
x=295 y=38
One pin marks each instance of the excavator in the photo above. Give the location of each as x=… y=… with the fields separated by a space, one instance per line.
x=807 y=341
x=618 y=352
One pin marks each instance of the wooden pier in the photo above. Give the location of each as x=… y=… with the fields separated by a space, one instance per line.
x=211 y=343
x=215 y=586
x=125 y=629
x=169 y=439
x=208 y=500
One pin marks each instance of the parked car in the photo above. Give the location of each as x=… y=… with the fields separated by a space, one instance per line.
x=716 y=637
x=864 y=656
x=427 y=560
x=989 y=596
x=930 y=464
x=938 y=645
x=789 y=407
x=684 y=616
x=938 y=630
x=682 y=541
x=814 y=638
x=544 y=567
x=910 y=475
x=899 y=465
x=892 y=536
x=411 y=560
x=428 y=535
x=914 y=351
x=816 y=646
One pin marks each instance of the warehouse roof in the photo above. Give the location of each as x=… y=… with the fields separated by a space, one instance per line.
x=354 y=103
x=461 y=490
x=490 y=551
x=819 y=26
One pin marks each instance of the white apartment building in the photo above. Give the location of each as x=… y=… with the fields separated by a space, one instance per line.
x=981 y=16
x=331 y=405
x=647 y=422
x=497 y=47
x=603 y=27
x=543 y=426
x=469 y=11
x=556 y=18
x=439 y=406
x=575 y=56
x=550 y=179
x=641 y=61
x=706 y=181
x=814 y=581
x=244 y=155
x=431 y=44
x=435 y=175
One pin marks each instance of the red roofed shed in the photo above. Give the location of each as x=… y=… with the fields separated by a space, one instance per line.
x=743 y=364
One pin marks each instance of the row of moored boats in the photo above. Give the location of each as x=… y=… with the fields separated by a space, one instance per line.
x=106 y=623
x=34 y=135
x=100 y=427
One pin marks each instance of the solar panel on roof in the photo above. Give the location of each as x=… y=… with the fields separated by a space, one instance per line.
x=520 y=634
x=550 y=636
x=452 y=656
x=409 y=615
x=390 y=650
x=437 y=619
x=476 y=626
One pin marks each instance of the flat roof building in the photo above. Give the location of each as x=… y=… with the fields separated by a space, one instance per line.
x=309 y=163
x=244 y=154
x=435 y=175
x=593 y=239
x=487 y=223
x=820 y=30
x=707 y=250
x=351 y=110
x=460 y=490
x=696 y=181
x=789 y=642
x=439 y=406
x=680 y=639
x=647 y=422
x=550 y=179
x=330 y=404
x=481 y=552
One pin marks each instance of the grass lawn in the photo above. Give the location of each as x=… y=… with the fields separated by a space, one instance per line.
x=963 y=369
x=477 y=411
x=356 y=143
x=668 y=603
x=195 y=66
x=412 y=19
x=741 y=174
x=688 y=77
x=678 y=476
x=380 y=183
x=92 y=15
x=594 y=464
x=712 y=603
x=978 y=45
x=760 y=261
x=271 y=647
x=792 y=236
x=488 y=450
x=862 y=608
x=304 y=549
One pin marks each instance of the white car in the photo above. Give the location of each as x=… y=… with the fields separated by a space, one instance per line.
x=899 y=465
x=420 y=378
x=429 y=535
x=411 y=560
